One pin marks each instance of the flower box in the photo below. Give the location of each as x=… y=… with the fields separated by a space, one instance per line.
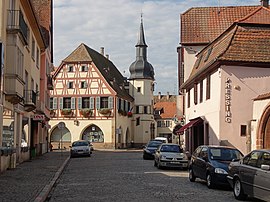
x=105 y=111
x=86 y=112
x=66 y=111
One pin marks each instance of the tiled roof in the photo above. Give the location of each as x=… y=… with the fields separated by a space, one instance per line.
x=114 y=78
x=263 y=96
x=246 y=42
x=203 y=24
x=169 y=109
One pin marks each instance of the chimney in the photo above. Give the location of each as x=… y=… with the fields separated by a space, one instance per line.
x=102 y=50
x=159 y=95
x=265 y=3
x=168 y=95
x=107 y=56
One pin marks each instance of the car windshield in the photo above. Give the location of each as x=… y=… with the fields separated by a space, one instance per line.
x=171 y=148
x=76 y=144
x=154 y=144
x=224 y=154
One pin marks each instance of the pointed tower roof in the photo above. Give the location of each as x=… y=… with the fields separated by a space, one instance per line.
x=141 y=68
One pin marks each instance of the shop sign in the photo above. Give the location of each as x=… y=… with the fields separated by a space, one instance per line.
x=228 y=97
x=38 y=117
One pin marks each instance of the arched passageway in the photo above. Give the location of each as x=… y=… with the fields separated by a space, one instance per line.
x=60 y=138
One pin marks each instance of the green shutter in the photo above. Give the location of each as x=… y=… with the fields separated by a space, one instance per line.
x=73 y=102
x=98 y=102
x=91 y=103
x=55 y=103
x=61 y=103
x=110 y=103
x=79 y=102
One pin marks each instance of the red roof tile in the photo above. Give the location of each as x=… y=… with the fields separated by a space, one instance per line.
x=169 y=109
x=247 y=41
x=202 y=25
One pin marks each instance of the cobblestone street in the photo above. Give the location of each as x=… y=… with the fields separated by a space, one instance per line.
x=125 y=176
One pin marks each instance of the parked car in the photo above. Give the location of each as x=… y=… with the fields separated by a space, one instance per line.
x=251 y=176
x=170 y=155
x=150 y=149
x=161 y=139
x=80 y=148
x=211 y=163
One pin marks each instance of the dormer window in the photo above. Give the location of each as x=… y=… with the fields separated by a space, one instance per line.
x=84 y=68
x=70 y=84
x=83 y=84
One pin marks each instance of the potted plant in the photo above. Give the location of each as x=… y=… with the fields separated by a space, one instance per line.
x=66 y=111
x=105 y=111
x=86 y=112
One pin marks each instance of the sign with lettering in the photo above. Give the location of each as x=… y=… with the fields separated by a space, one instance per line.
x=228 y=97
x=38 y=117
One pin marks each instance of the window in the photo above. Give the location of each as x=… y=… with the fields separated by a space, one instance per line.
x=83 y=84
x=84 y=68
x=208 y=87
x=168 y=123
x=198 y=61
x=252 y=159
x=208 y=54
x=137 y=109
x=139 y=89
x=138 y=121
x=66 y=103
x=51 y=103
x=70 y=84
x=37 y=58
x=85 y=102
x=243 y=130
x=33 y=48
x=201 y=91
x=145 y=110
x=70 y=68
x=195 y=93
x=188 y=98
x=159 y=124
x=104 y=102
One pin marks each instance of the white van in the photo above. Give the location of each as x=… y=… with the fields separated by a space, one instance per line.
x=162 y=139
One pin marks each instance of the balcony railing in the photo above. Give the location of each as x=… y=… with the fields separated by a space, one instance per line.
x=16 y=22
x=30 y=101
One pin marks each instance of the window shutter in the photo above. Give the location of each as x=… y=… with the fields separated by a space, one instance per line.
x=55 y=103
x=79 y=102
x=122 y=104
x=91 y=103
x=126 y=106
x=98 y=102
x=73 y=102
x=118 y=103
x=110 y=103
x=61 y=103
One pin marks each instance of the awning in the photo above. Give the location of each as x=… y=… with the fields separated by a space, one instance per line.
x=191 y=123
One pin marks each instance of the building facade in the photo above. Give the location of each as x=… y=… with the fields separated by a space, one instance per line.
x=22 y=46
x=224 y=81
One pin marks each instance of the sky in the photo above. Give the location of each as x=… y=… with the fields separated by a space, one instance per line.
x=114 y=25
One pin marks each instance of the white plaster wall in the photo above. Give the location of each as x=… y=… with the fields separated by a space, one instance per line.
x=190 y=58
x=247 y=83
x=208 y=109
x=259 y=107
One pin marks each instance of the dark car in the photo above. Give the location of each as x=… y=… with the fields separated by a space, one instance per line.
x=211 y=163
x=80 y=148
x=251 y=176
x=150 y=148
x=170 y=155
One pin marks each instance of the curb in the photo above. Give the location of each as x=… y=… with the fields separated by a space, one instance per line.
x=42 y=196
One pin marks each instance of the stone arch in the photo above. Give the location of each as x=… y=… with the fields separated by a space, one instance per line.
x=60 y=138
x=263 y=132
x=93 y=133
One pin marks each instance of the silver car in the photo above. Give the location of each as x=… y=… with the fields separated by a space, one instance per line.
x=250 y=176
x=80 y=148
x=170 y=155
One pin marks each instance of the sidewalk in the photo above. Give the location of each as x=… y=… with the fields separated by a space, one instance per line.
x=32 y=180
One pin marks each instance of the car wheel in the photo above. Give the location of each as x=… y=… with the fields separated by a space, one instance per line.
x=238 y=190
x=191 y=175
x=209 y=182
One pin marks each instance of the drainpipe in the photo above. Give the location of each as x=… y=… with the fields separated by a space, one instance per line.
x=248 y=138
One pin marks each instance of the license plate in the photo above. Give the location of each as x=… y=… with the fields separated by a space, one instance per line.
x=175 y=162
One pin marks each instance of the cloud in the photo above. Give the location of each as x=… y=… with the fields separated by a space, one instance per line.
x=115 y=25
